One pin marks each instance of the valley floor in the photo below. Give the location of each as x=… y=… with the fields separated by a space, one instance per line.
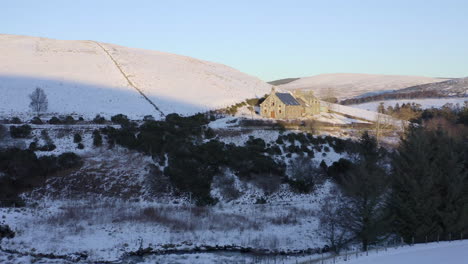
x=107 y=229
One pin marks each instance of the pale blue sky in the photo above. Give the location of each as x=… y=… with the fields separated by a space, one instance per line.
x=268 y=39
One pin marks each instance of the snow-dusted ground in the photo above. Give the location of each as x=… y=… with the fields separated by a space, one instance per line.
x=455 y=252
x=346 y=85
x=107 y=228
x=425 y=103
x=81 y=77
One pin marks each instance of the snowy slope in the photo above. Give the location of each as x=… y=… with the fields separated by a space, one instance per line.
x=88 y=77
x=346 y=85
x=433 y=253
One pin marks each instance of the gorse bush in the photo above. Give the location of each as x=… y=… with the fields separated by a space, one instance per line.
x=77 y=138
x=36 y=121
x=97 y=138
x=192 y=163
x=99 y=119
x=23 y=131
x=22 y=170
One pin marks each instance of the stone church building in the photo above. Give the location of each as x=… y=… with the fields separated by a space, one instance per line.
x=290 y=105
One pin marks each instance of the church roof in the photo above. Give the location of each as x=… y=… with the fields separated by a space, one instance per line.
x=287 y=99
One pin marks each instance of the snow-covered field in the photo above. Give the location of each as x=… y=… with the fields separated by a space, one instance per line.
x=92 y=78
x=105 y=229
x=455 y=252
x=425 y=103
x=346 y=85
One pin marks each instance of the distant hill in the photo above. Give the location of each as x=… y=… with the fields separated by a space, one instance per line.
x=348 y=85
x=449 y=88
x=88 y=78
x=453 y=87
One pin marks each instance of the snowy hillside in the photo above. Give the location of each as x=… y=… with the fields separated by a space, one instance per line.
x=88 y=78
x=346 y=85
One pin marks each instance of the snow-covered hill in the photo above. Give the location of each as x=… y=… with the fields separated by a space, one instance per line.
x=346 y=85
x=88 y=78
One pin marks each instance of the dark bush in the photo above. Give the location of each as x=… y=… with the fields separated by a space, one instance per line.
x=97 y=138
x=55 y=121
x=36 y=121
x=80 y=146
x=21 y=171
x=339 y=169
x=16 y=120
x=69 y=120
x=120 y=119
x=47 y=147
x=99 y=120
x=77 y=138
x=33 y=146
x=23 y=131
x=6 y=232
x=69 y=160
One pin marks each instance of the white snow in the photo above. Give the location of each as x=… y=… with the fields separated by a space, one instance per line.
x=80 y=77
x=455 y=252
x=346 y=85
x=425 y=103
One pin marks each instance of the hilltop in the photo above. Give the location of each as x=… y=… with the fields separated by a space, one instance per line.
x=89 y=77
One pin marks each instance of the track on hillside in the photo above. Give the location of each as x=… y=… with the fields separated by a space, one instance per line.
x=130 y=83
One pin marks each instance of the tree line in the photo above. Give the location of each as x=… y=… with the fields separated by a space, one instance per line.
x=419 y=189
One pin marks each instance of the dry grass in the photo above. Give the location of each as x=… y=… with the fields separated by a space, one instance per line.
x=74 y=216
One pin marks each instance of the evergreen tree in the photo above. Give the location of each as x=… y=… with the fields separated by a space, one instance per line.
x=429 y=185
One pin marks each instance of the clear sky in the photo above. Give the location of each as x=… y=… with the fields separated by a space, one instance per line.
x=269 y=39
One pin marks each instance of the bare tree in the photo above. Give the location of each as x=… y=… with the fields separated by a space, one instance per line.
x=382 y=123
x=331 y=222
x=39 y=101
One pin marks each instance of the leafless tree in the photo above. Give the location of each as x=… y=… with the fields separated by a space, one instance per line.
x=331 y=222
x=39 y=101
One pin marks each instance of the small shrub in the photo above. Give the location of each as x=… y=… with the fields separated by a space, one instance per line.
x=20 y=131
x=69 y=120
x=36 y=121
x=77 y=138
x=80 y=146
x=99 y=120
x=261 y=200
x=69 y=160
x=120 y=119
x=47 y=147
x=6 y=232
x=97 y=138
x=55 y=121
x=16 y=120
x=33 y=146
x=148 y=118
